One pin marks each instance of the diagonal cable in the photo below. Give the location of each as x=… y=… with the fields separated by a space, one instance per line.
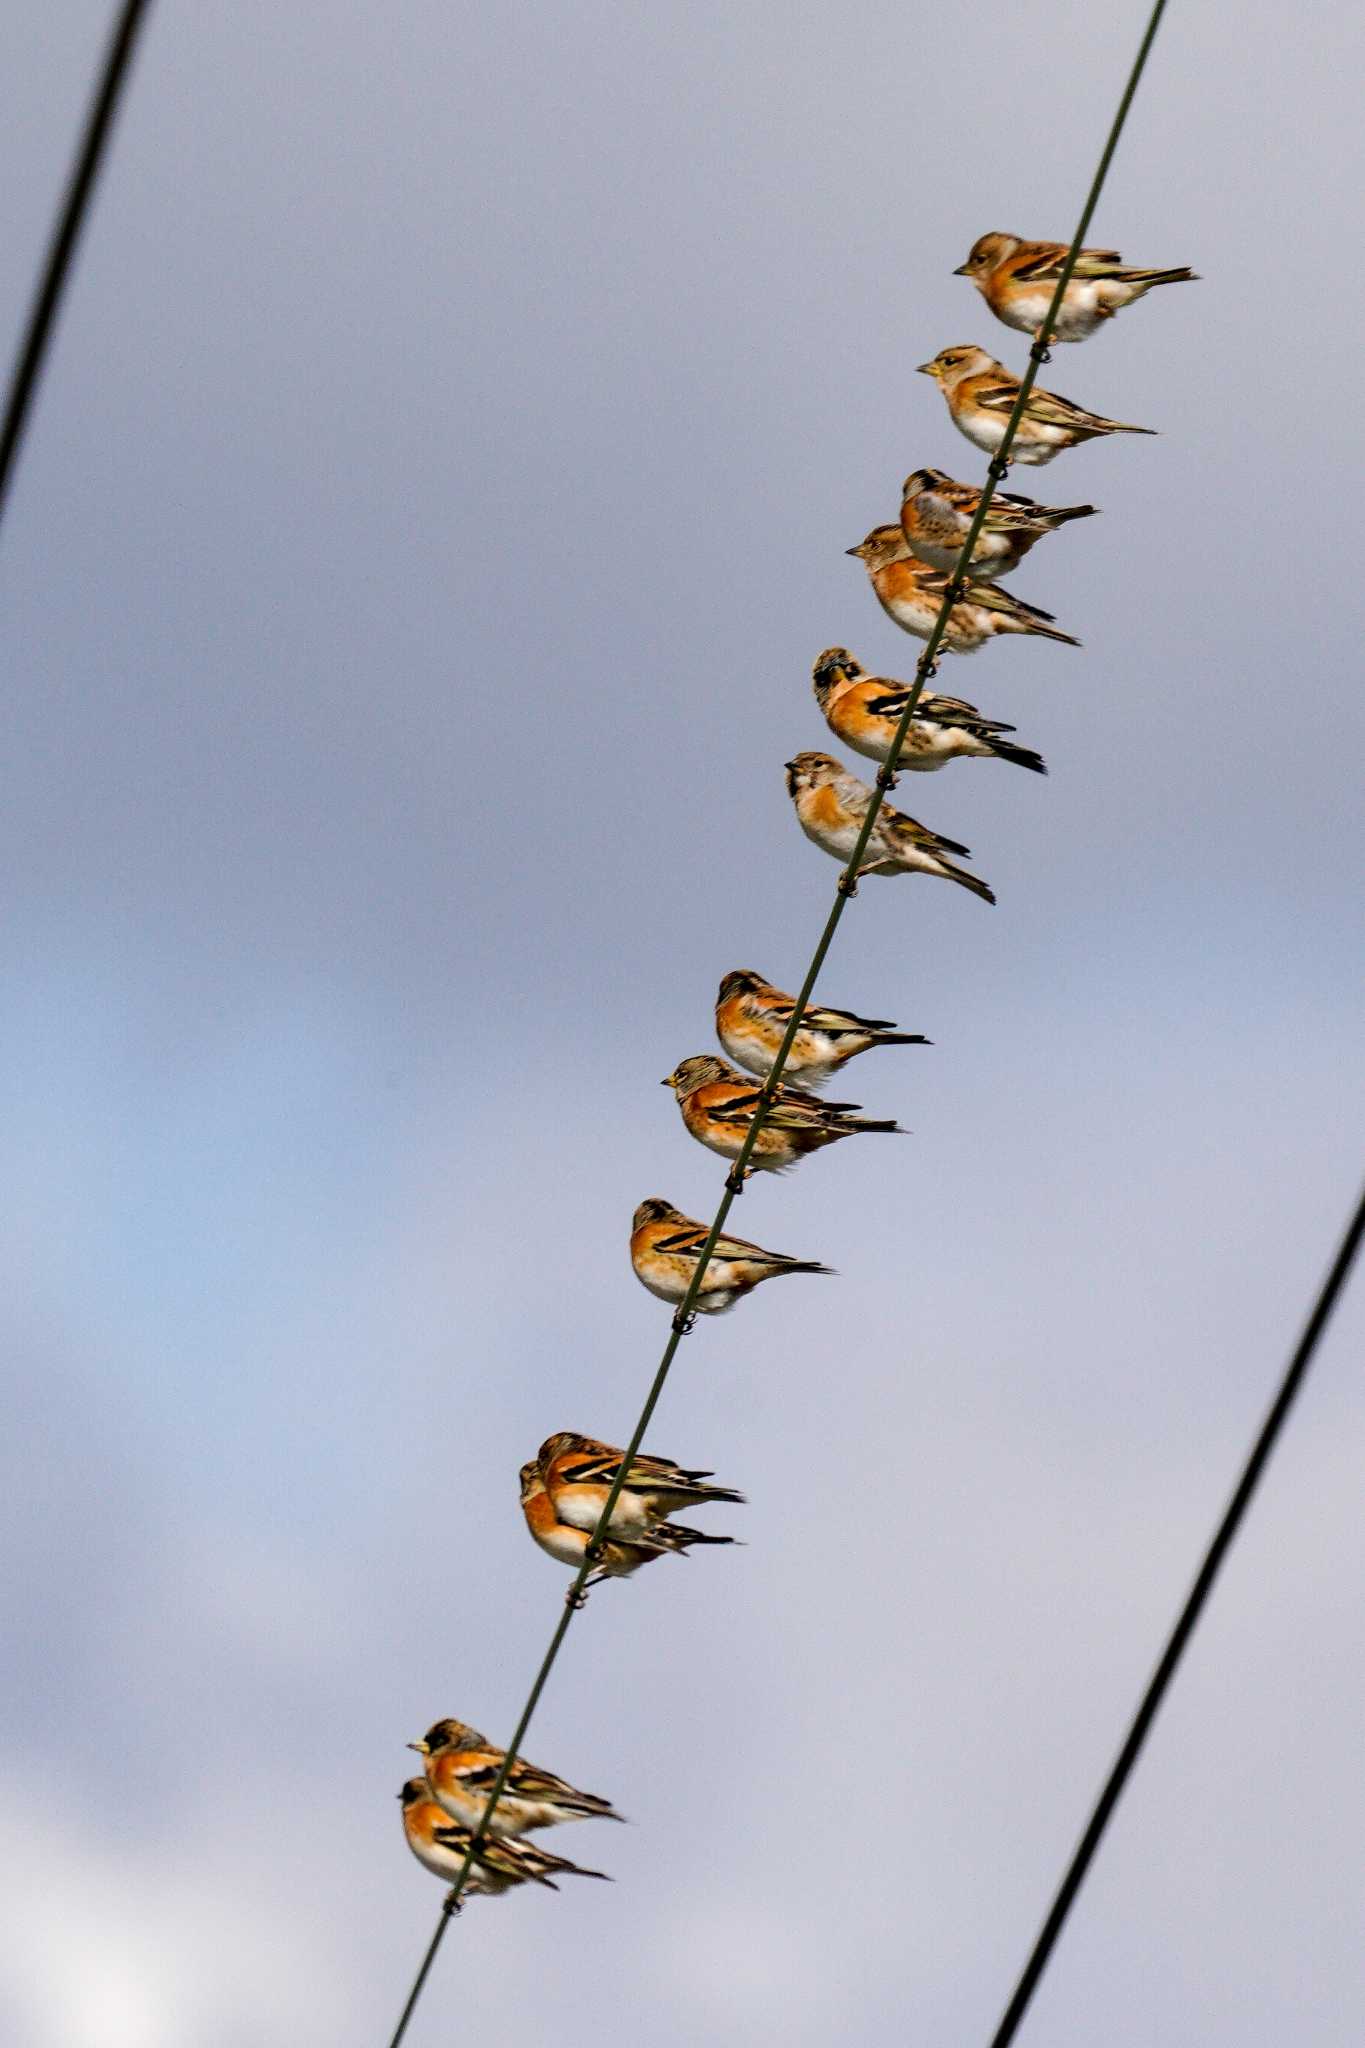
x=1184 y=1628
x=56 y=269
x=847 y=887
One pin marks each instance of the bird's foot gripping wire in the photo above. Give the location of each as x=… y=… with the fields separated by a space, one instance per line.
x=997 y=469
x=453 y=1902
x=577 y=1596
x=848 y=883
x=1040 y=351
x=886 y=781
x=685 y=1324
x=734 y=1180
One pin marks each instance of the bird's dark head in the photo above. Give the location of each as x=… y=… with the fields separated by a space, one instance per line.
x=740 y=981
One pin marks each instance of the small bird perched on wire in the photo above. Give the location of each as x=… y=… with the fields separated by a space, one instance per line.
x=665 y=1249
x=462 y=1765
x=580 y=1471
x=937 y=512
x=865 y=712
x=830 y=807
x=752 y=1018
x=718 y=1106
x=981 y=393
x=1017 y=280
x=615 y=1558
x=500 y=1862
x=912 y=594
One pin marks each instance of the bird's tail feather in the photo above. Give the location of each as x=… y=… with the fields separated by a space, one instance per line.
x=1022 y=757
x=972 y=882
x=679 y=1537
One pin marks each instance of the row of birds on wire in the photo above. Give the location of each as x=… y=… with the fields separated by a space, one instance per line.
x=910 y=565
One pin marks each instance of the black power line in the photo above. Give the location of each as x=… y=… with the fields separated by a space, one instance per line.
x=1186 y=1623
x=65 y=235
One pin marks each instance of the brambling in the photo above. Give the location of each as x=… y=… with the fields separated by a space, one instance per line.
x=718 y=1107
x=830 y=807
x=937 y=512
x=1017 y=280
x=912 y=594
x=500 y=1861
x=865 y=711
x=613 y=1559
x=461 y=1767
x=665 y=1247
x=752 y=1018
x=579 y=1472
x=981 y=393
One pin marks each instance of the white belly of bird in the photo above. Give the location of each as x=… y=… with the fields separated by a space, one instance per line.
x=935 y=746
x=629 y=1519
x=940 y=555
x=836 y=839
x=1029 y=308
x=984 y=427
x=910 y=617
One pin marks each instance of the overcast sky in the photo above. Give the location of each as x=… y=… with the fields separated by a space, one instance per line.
x=436 y=499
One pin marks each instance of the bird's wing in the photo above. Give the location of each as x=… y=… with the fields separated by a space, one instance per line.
x=908 y=828
x=730 y=1106
x=1016 y=516
x=889 y=703
x=992 y=598
x=840 y=1022
x=481 y=1767
x=1050 y=409
x=1045 y=260
x=533 y=1783
x=946 y=709
x=1098 y=263
x=688 y=1241
x=999 y=397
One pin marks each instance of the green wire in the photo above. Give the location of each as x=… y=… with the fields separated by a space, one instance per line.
x=847 y=886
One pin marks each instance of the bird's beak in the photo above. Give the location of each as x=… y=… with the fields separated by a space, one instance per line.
x=962 y=270
x=667 y=1081
x=854 y=551
x=422 y=1748
x=928 y=369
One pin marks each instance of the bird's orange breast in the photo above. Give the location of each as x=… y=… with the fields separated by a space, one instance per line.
x=824 y=808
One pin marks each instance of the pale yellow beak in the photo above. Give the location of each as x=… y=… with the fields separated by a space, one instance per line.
x=422 y=1748
x=927 y=369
